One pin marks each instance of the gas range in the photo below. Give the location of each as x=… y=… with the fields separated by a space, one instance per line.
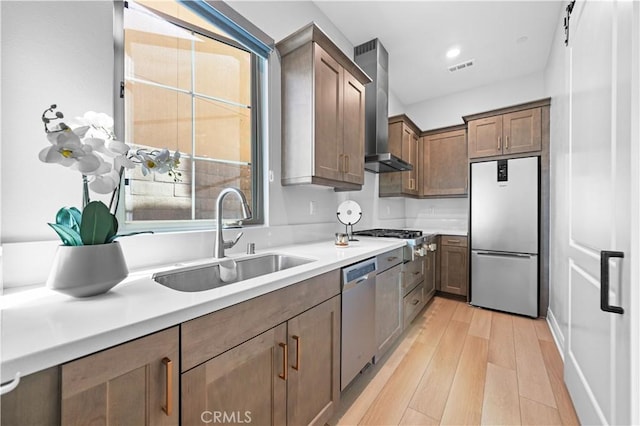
x=418 y=244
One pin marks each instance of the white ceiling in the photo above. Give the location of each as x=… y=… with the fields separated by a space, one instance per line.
x=417 y=35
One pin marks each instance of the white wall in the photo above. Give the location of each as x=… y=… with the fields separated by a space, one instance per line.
x=448 y=110
x=557 y=87
x=52 y=52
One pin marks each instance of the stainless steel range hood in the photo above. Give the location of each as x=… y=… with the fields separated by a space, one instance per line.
x=373 y=58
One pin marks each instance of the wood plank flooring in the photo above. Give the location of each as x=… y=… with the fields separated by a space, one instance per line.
x=459 y=365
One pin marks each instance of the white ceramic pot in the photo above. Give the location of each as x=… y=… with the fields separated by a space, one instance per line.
x=82 y=271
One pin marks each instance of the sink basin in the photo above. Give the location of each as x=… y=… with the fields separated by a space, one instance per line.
x=206 y=277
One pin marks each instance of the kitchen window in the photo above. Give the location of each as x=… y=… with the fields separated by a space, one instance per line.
x=188 y=84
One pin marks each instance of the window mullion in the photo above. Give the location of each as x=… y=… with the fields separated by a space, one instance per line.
x=193 y=130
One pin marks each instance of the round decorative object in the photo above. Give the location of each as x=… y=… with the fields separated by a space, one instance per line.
x=349 y=212
x=83 y=271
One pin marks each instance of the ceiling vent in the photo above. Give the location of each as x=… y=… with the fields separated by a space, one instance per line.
x=461 y=65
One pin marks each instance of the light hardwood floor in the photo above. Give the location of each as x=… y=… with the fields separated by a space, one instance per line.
x=459 y=365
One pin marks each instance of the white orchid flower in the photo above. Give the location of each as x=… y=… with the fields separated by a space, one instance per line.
x=67 y=150
x=106 y=183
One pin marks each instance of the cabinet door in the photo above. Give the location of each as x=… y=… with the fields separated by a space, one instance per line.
x=313 y=392
x=444 y=164
x=246 y=384
x=485 y=137
x=522 y=131
x=135 y=383
x=328 y=151
x=453 y=270
x=36 y=400
x=353 y=132
x=388 y=309
x=410 y=154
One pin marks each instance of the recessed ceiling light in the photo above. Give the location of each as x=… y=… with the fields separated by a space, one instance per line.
x=453 y=52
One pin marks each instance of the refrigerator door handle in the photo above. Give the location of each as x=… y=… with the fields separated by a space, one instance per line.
x=502 y=254
x=604 y=281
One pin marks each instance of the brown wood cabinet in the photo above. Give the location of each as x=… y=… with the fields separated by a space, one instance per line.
x=241 y=384
x=322 y=112
x=510 y=133
x=133 y=383
x=274 y=358
x=444 y=165
x=289 y=374
x=403 y=143
x=36 y=400
x=388 y=309
x=454 y=265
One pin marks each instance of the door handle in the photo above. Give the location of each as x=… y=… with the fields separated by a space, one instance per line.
x=168 y=408
x=285 y=362
x=604 y=281
x=298 y=348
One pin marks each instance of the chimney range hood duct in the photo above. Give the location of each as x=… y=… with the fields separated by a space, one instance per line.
x=374 y=60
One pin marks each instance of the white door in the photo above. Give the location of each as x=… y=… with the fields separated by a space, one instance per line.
x=599 y=367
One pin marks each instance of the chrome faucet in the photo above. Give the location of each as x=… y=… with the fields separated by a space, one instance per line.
x=221 y=244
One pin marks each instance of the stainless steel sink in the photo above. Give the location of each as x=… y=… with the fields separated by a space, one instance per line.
x=206 y=277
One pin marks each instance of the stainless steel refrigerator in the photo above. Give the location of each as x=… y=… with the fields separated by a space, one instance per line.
x=504 y=235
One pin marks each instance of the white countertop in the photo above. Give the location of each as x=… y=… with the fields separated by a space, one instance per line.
x=41 y=328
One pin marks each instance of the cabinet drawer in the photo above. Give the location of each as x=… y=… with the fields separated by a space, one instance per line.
x=453 y=240
x=412 y=274
x=389 y=259
x=412 y=304
x=208 y=336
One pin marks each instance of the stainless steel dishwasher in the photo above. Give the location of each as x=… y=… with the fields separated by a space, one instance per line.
x=358 y=318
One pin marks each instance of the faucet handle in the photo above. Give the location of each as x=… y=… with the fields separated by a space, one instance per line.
x=231 y=243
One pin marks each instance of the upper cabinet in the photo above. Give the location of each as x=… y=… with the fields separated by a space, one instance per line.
x=322 y=112
x=444 y=165
x=517 y=130
x=403 y=143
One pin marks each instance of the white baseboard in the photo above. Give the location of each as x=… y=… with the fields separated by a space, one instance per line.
x=558 y=337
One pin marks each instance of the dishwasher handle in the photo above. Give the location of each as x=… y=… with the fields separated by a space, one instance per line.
x=357 y=282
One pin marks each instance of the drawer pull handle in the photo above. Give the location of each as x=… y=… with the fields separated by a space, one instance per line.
x=417 y=273
x=392 y=258
x=415 y=302
x=453 y=241
x=168 y=408
x=285 y=361
x=297 y=366
x=499 y=143
x=506 y=144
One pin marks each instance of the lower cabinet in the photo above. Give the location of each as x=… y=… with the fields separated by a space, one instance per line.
x=36 y=400
x=289 y=374
x=413 y=291
x=135 y=383
x=454 y=265
x=388 y=309
x=272 y=360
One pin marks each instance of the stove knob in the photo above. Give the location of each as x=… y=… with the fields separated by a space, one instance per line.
x=433 y=247
x=421 y=251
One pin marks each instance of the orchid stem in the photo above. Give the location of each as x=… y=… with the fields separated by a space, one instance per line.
x=115 y=196
x=85 y=191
